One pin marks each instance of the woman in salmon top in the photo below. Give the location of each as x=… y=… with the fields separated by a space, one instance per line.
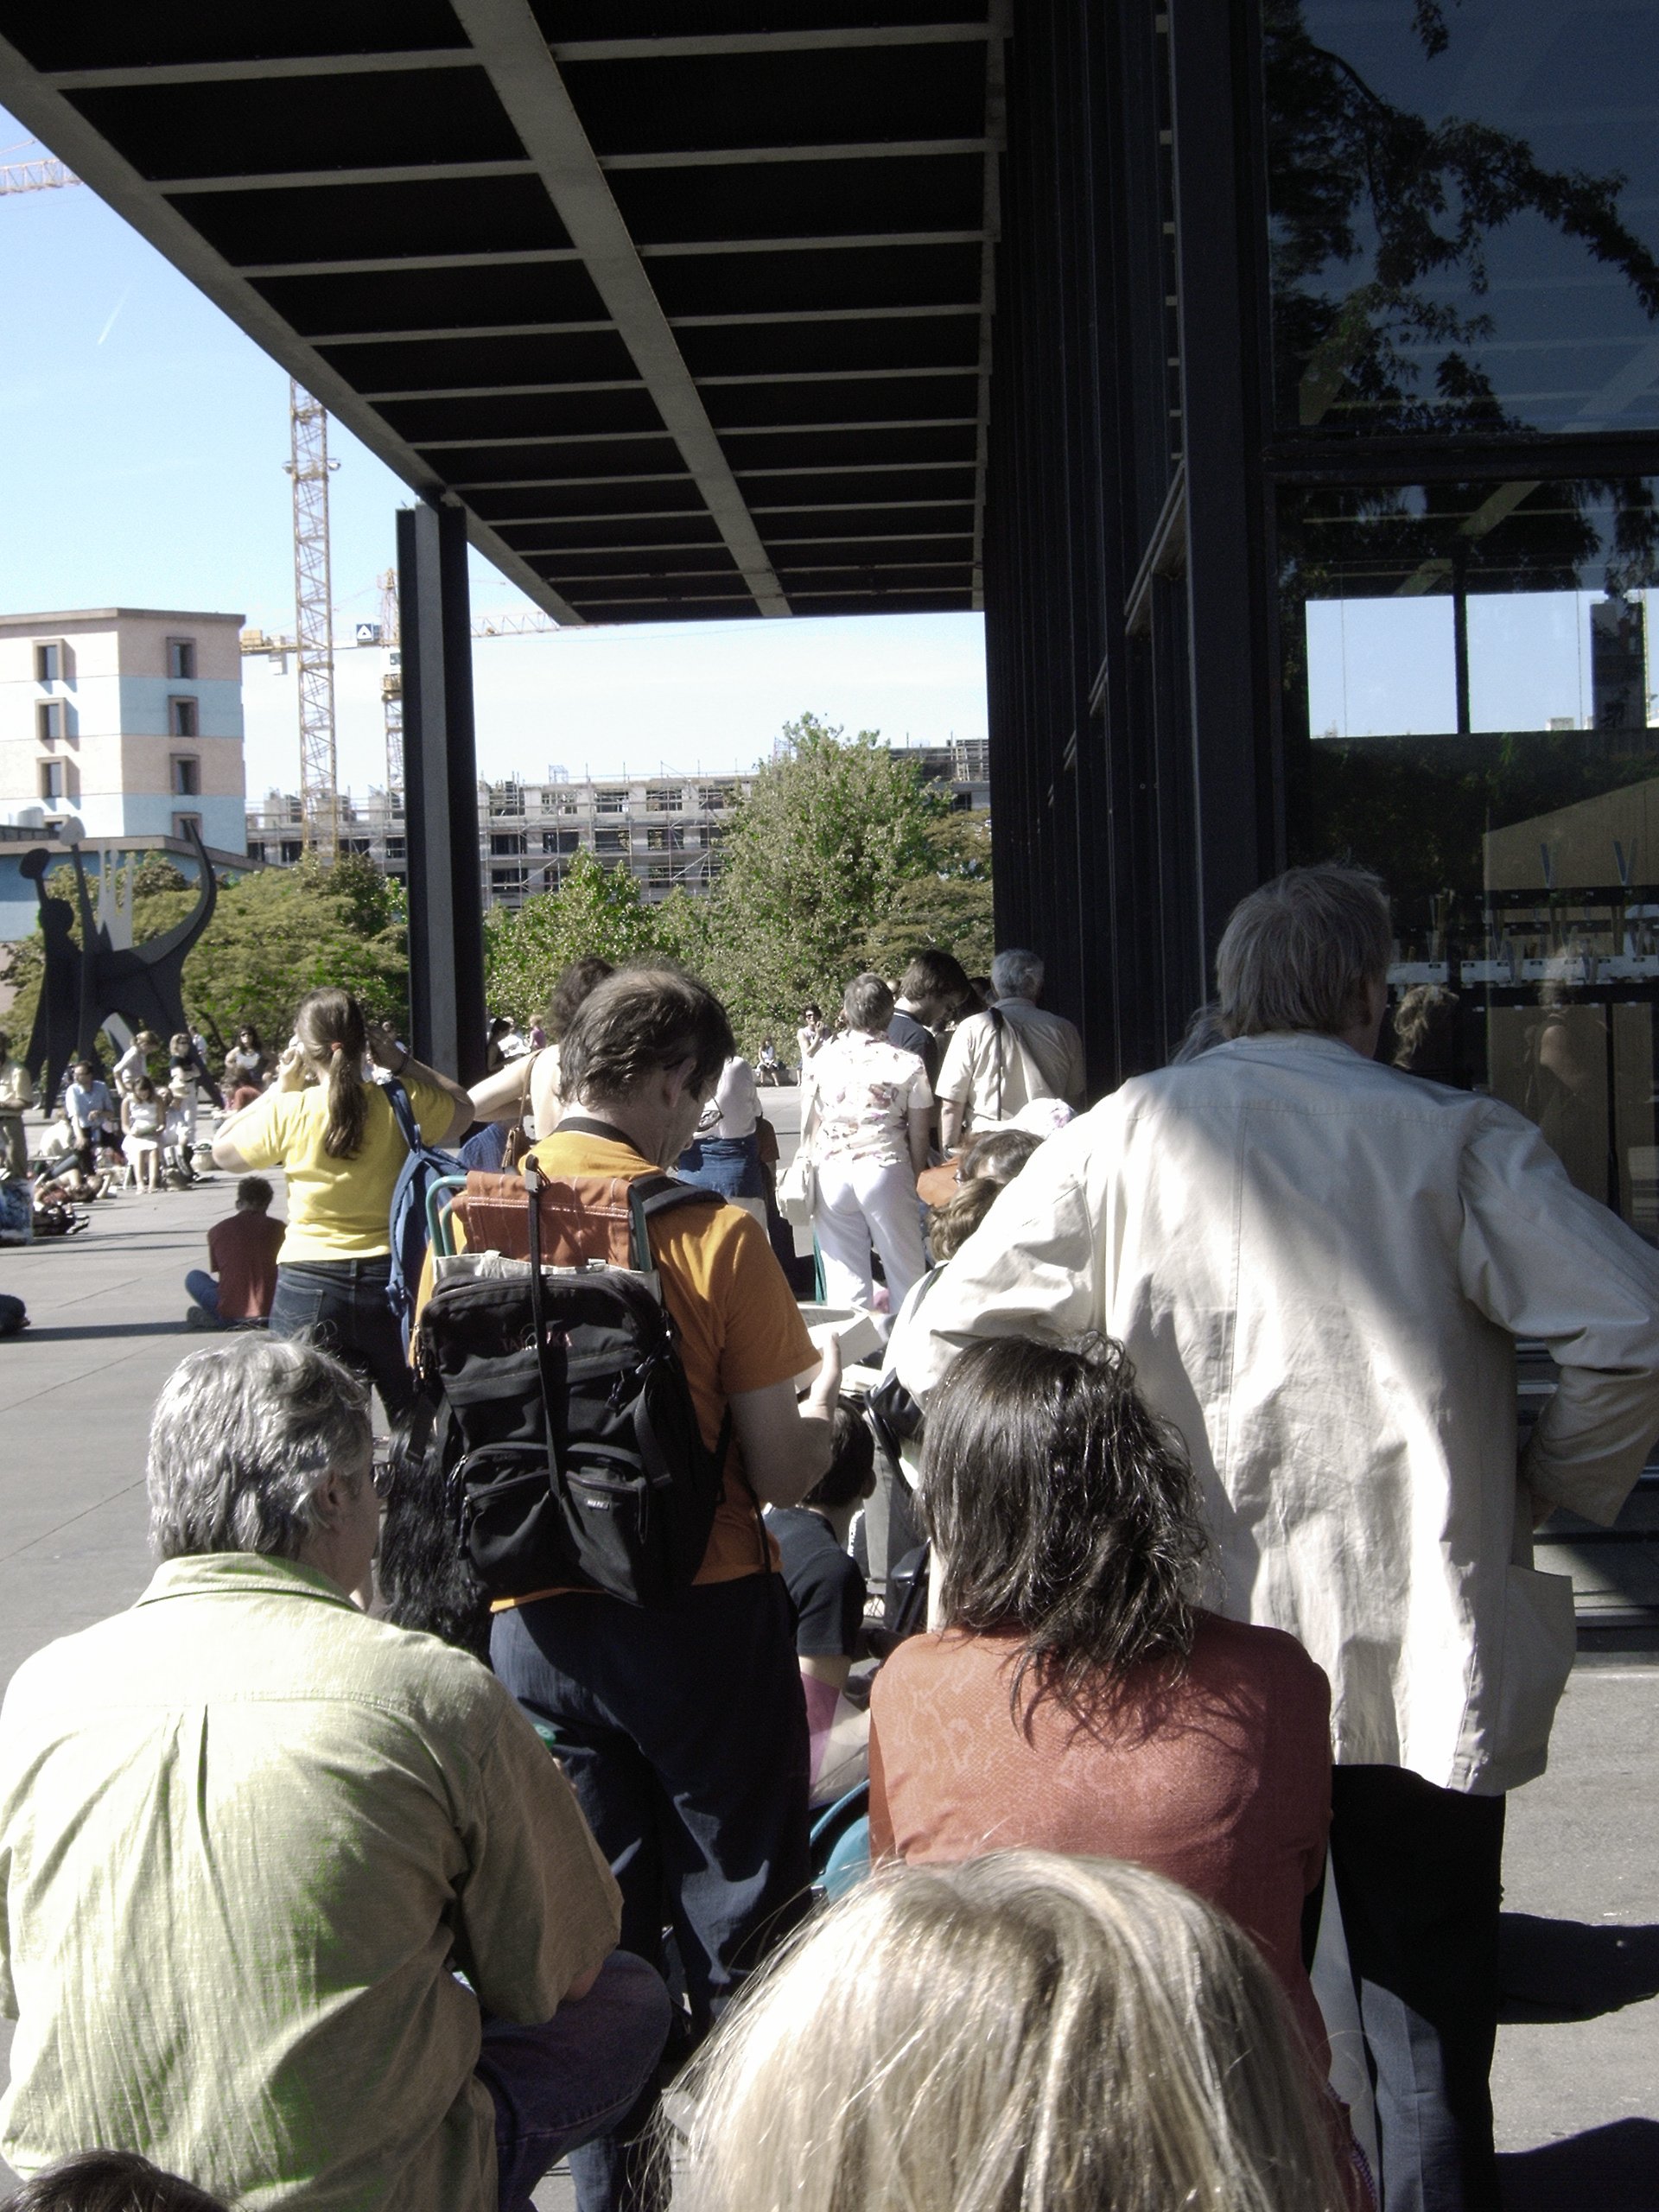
x=1076 y=1699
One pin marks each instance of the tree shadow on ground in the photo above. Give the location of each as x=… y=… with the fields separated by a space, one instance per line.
x=1613 y=2168
x=1573 y=1970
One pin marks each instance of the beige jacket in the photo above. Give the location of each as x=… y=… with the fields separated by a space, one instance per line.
x=1041 y=1056
x=1318 y=1265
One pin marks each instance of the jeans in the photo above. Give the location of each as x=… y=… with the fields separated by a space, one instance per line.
x=728 y=1165
x=1419 y=1876
x=200 y=1286
x=341 y=1306
x=683 y=1733
x=560 y=2083
x=14 y=1145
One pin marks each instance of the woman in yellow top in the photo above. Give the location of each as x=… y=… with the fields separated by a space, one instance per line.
x=336 y=1138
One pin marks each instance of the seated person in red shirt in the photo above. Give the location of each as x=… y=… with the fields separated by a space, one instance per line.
x=827 y=1590
x=1074 y=1699
x=243 y=1251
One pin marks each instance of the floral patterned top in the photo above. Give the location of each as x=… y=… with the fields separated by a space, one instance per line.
x=863 y=1089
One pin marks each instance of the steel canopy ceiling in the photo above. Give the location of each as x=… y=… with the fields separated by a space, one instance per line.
x=686 y=302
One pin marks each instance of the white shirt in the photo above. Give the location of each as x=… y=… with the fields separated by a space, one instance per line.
x=1318 y=1265
x=736 y=1107
x=863 y=1089
x=1039 y=1056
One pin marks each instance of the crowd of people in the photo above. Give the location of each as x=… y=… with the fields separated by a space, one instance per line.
x=1199 y=1406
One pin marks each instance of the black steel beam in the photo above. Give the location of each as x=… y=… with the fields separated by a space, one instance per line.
x=447 y=1017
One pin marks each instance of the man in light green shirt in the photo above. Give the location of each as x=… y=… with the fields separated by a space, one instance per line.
x=250 y=1838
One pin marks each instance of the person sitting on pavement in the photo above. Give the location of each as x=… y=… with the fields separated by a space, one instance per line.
x=1051 y=2034
x=90 y=1112
x=109 y=2181
x=338 y=1138
x=1014 y=1052
x=1075 y=1697
x=768 y=1068
x=257 y=1839
x=827 y=1590
x=142 y=1117
x=241 y=1089
x=17 y=1096
x=242 y=1251
x=682 y=1727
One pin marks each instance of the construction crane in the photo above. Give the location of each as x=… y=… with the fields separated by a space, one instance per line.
x=43 y=175
x=314 y=621
x=388 y=634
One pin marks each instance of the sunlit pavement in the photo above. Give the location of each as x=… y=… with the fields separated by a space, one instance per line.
x=1577 y=2097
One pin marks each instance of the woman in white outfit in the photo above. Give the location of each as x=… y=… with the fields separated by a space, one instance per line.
x=867 y=1120
x=141 y=1122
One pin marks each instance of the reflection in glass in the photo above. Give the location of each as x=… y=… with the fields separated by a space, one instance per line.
x=1469 y=709
x=1465 y=201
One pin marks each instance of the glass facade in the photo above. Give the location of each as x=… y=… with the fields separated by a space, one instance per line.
x=1467 y=709
x=1464 y=216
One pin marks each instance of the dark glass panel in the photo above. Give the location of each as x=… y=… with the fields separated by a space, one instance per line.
x=1464 y=215
x=1468 y=710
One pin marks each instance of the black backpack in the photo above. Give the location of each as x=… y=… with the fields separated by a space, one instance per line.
x=565 y=1424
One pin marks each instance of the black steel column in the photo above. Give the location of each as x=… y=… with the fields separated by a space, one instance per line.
x=445 y=912
x=1218 y=252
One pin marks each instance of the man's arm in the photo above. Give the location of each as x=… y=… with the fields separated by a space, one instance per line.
x=786 y=1447
x=1543 y=1260
x=1032 y=1267
x=538 y=1910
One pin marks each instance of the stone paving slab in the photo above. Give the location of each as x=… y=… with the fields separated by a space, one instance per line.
x=1576 y=2084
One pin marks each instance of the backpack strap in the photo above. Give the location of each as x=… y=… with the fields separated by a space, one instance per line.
x=651 y=1195
x=538 y=1323
x=409 y=1128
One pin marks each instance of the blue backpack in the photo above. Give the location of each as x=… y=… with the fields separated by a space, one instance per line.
x=425 y=1166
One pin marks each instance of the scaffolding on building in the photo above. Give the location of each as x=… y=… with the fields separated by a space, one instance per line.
x=309 y=467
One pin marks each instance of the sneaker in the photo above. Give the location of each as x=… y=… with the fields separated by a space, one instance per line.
x=199 y=1318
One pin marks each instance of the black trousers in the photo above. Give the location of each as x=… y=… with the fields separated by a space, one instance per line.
x=683 y=1733
x=1419 y=1876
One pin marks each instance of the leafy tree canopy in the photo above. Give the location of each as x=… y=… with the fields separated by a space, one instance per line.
x=599 y=910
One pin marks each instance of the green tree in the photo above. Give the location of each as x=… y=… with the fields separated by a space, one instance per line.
x=599 y=910
x=949 y=905
x=815 y=858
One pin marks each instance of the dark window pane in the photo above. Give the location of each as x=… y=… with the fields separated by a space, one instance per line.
x=1468 y=710
x=1464 y=215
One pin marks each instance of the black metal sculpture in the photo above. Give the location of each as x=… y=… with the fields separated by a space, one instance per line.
x=83 y=984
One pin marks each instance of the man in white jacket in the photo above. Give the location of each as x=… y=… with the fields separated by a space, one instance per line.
x=1320 y=1266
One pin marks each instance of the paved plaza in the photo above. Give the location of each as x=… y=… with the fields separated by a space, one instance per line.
x=1578 y=2067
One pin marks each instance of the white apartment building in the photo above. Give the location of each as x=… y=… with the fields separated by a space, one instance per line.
x=127 y=719
x=666 y=829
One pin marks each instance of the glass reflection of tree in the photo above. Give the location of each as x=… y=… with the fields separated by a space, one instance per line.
x=1344 y=161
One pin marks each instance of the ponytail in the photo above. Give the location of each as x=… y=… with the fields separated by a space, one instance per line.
x=330 y=1026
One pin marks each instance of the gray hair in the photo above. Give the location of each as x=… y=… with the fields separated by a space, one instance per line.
x=868 y=1003
x=242 y=1437
x=1301 y=952
x=1016 y=975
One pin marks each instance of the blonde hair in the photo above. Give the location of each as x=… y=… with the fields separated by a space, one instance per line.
x=330 y=1026
x=1021 y=2033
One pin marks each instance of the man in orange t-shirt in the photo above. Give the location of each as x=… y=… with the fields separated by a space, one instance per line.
x=242 y=1249
x=683 y=1728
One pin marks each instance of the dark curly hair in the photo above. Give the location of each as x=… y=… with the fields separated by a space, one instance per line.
x=1064 y=1510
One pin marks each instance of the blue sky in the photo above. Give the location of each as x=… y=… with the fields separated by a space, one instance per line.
x=141 y=443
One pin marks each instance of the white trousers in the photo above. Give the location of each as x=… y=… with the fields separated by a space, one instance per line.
x=860 y=1203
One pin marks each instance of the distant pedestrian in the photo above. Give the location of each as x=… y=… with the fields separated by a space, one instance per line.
x=808 y=1037
x=724 y=1154
x=248 y=1056
x=932 y=987
x=1014 y=1052
x=865 y=1117
x=337 y=1138
x=17 y=1096
x=242 y=1252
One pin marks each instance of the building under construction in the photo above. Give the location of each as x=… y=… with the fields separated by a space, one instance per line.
x=666 y=829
